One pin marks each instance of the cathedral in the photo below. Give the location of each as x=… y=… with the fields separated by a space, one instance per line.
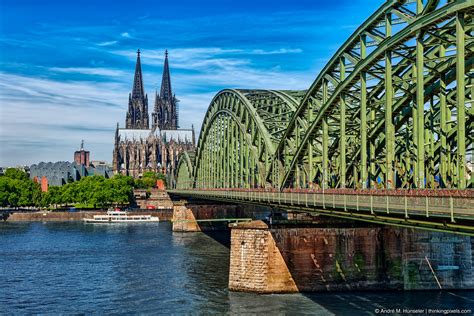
x=139 y=148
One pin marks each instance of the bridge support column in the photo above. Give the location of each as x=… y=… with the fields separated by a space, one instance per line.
x=256 y=263
x=309 y=259
x=186 y=218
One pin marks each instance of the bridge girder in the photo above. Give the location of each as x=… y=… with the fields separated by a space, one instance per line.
x=239 y=134
x=184 y=174
x=361 y=122
x=390 y=109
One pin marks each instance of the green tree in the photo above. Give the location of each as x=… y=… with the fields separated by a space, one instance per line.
x=95 y=191
x=14 y=173
x=149 y=179
x=16 y=189
x=4 y=190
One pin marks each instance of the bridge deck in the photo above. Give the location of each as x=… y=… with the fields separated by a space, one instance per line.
x=446 y=213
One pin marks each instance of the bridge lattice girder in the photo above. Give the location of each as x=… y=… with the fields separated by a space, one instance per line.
x=239 y=135
x=391 y=107
x=184 y=169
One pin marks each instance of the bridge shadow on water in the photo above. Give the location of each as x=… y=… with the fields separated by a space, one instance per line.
x=221 y=236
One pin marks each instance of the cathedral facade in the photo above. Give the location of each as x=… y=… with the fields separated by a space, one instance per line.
x=138 y=147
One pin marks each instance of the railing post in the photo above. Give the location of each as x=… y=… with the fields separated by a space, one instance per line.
x=406 y=207
x=426 y=206
x=386 y=204
x=345 y=207
x=371 y=204
x=451 y=208
x=357 y=202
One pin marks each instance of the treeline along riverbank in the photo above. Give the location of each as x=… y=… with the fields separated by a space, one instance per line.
x=18 y=190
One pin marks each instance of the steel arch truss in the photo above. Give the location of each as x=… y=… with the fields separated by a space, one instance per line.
x=239 y=135
x=393 y=108
x=184 y=177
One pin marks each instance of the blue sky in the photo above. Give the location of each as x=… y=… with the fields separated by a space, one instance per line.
x=66 y=67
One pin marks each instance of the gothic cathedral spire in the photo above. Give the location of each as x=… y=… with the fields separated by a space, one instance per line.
x=165 y=114
x=137 y=115
x=165 y=91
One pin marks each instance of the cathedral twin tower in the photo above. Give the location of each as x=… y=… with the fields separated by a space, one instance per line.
x=139 y=148
x=165 y=112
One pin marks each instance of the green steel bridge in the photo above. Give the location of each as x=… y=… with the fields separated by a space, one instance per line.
x=384 y=133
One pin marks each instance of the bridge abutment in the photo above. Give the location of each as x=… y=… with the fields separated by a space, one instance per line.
x=309 y=259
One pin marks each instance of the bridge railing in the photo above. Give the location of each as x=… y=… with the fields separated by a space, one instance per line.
x=451 y=207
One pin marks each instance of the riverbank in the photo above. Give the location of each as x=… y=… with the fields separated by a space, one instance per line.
x=47 y=216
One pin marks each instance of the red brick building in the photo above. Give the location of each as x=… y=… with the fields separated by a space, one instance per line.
x=81 y=157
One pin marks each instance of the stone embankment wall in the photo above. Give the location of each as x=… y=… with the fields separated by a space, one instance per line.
x=158 y=199
x=164 y=215
x=276 y=260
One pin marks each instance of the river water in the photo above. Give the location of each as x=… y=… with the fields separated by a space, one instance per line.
x=71 y=267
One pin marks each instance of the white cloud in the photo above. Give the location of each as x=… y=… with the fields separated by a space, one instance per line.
x=107 y=43
x=277 y=51
x=192 y=108
x=201 y=69
x=125 y=34
x=202 y=57
x=48 y=118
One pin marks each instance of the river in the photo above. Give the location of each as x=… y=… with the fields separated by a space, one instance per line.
x=71 y=267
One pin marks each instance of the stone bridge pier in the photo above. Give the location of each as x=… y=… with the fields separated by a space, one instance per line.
x=283 y=259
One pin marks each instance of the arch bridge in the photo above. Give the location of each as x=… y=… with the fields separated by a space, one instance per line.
x=384 y=133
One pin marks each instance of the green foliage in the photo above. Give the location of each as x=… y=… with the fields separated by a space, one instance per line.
x=16 y=189
x=17 y=174
x=395 y=269
x=149 y=179
x=359 y=264
x=93 y=191
x=413 y=273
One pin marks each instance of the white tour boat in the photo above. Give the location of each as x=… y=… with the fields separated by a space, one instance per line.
x=120 y=217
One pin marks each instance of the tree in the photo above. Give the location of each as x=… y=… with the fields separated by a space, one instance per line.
x=4 y=190
x=14 y=173
x=95 y=191
x=16 y=189
x=149 y=179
